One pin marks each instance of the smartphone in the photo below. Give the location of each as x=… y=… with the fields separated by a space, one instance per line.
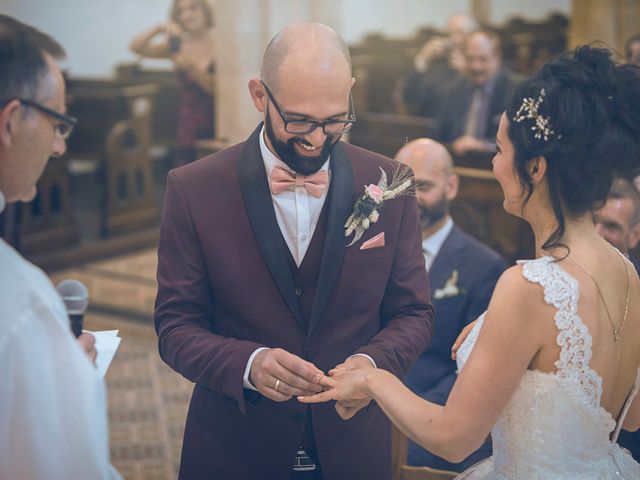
x=174 y=43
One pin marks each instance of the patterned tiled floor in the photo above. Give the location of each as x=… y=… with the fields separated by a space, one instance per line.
x=147 y=400
x=126 y=284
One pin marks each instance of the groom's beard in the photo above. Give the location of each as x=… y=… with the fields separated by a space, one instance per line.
x=433 y=214
x=299 y=164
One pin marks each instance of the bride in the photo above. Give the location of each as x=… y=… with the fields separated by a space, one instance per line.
x=551 y=370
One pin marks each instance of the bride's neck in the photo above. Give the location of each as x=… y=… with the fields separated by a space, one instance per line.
x=578 y=231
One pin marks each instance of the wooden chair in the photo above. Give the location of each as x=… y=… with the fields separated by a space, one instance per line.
x=402 y=471
x=130 y=200
x=48 y=222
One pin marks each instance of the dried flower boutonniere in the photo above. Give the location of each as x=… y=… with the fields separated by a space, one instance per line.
x=366 y=210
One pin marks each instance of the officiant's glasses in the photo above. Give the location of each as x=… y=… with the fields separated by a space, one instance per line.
x=63 y=126
x=303 y=126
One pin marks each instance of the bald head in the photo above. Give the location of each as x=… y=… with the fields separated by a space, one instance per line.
x=305 y=48
x=460 y=25
x=436 y=183
x=423 y=154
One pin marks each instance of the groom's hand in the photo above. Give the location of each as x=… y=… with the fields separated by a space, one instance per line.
x=348 y=408
x=279 y=375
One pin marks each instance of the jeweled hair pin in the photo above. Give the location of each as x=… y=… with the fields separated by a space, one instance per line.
x=529 y=109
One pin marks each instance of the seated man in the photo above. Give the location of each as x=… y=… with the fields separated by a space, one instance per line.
x=53 y=413
x=462 y=275
x=469 y=117
x=618 y=222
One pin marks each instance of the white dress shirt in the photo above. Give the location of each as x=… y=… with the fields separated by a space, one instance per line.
x=53 y=409
x=432 y=244
x=297 y=213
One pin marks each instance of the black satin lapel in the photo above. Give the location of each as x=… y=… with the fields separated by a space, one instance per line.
x=340 y=198
x=257 y=200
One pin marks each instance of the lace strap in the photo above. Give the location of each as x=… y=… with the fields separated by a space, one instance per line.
x=625 y=408
x=561 y=291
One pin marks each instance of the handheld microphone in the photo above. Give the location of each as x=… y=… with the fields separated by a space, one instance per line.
x=76 y=298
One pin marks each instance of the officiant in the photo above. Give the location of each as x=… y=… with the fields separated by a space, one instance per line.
x=261 y=289
x=53 y=413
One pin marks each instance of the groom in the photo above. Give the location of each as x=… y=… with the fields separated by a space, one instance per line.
x=258 y=292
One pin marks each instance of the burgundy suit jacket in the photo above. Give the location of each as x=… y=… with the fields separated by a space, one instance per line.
x=225 y=288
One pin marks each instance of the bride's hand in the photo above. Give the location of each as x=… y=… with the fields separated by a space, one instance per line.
x=461 y=338
x=347 y=386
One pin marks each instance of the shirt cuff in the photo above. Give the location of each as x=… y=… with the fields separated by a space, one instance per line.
x=361 y=355
x=246 y=383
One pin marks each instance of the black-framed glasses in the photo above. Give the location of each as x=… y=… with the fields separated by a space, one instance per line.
x=64 y=124
x=302 y=127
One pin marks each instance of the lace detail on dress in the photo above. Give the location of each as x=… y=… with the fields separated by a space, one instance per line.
x=562 y=292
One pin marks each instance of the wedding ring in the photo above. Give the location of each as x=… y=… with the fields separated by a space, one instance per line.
x=277 y=385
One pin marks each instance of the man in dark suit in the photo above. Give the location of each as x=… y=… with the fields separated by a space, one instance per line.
x=258 y=292
x=462 y=273
x=468 y=120
x=618 y=222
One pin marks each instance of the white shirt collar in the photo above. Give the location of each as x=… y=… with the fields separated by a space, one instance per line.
x=270 y=160
x=3 y=201
x=433 y=243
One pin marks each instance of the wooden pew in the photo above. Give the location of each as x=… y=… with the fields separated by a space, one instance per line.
x=385 y=133
x=402 y=471
x=164 y=119
x=48 y=223
x=478 y=211
x=130 y=200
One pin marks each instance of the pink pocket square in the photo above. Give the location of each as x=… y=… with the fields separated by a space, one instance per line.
x=373 y=242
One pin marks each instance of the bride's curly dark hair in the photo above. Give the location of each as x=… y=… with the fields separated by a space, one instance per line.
x=592 y=105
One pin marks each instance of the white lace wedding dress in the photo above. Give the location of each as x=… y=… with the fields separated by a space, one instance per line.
x=553 y=426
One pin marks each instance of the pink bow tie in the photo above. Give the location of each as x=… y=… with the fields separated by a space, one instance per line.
x=282 y=179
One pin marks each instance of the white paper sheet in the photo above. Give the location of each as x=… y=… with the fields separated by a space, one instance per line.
x=107 y=342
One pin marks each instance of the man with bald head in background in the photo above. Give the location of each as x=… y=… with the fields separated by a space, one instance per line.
x=462 y=274
x=259 y=295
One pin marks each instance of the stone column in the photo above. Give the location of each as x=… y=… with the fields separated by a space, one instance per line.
x=481 y=10
x=608 y=21
x=240 y=44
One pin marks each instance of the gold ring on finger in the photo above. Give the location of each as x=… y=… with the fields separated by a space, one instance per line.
x=277 y=385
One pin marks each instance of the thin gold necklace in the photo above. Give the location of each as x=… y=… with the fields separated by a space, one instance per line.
x=617 y=331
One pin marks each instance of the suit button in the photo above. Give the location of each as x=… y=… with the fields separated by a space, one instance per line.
x=298 y=291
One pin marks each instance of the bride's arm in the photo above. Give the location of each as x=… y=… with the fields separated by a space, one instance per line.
x=632 y=420
x=510 y=338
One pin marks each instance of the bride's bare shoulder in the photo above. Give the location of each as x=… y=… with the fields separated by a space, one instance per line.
x=517 y=299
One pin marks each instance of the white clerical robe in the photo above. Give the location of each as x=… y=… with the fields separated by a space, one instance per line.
x=53 y=411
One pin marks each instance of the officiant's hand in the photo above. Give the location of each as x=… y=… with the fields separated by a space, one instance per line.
x=279 y=375
x=88 y=344
x=461 y=338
